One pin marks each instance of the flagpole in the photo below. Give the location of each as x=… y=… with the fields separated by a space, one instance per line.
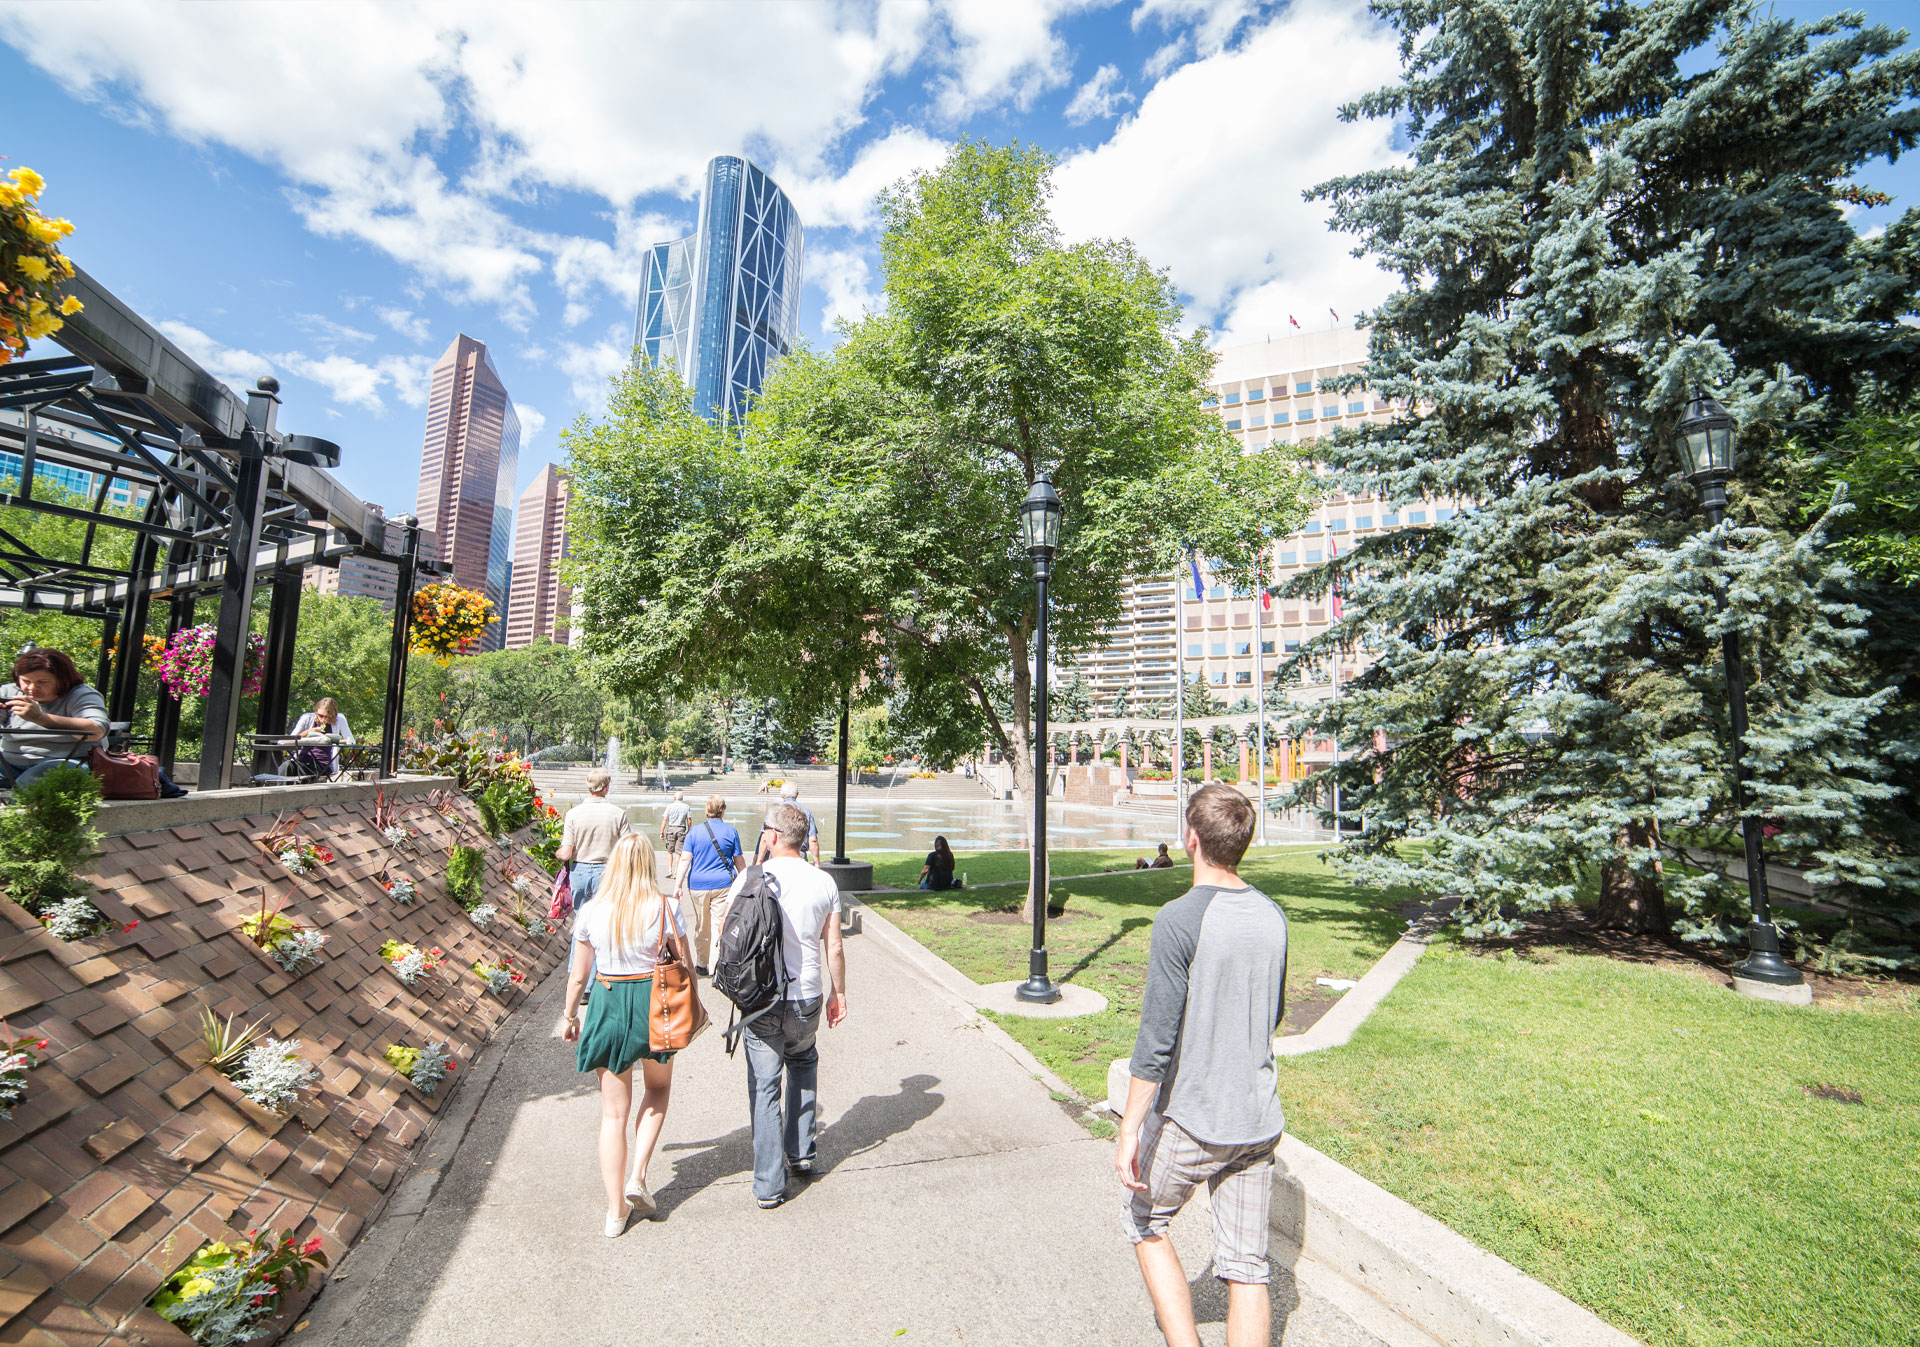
x=1180 y=708
x=1260 y=683
x=1333 y=598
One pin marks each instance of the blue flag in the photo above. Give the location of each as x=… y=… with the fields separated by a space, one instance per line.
x=1199 y=589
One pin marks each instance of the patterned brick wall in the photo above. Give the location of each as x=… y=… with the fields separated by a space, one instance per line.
x=127 y=1154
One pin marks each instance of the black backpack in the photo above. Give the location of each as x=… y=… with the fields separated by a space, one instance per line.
x=750 y=966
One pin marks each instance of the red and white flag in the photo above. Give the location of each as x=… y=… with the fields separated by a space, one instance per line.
x=1336 y=317
x=1293 y=320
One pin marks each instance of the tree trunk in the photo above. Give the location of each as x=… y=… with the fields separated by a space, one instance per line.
x=1635 y=898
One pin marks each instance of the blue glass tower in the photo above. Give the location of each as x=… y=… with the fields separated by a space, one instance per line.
x=723 y=304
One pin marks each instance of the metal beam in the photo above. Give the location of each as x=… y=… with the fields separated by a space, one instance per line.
x=397 y=650
x=228 y=673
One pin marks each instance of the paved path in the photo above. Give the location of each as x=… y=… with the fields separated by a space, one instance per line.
x=959 y=1202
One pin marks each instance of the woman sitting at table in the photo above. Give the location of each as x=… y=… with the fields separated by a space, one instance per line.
x=326 y=719
x=47 y=694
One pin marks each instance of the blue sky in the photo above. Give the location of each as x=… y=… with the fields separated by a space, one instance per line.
x=330 y=192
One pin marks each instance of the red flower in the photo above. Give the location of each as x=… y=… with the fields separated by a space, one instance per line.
x=312 y=1246
x=41 y=1044
x=452 y=1065
x=129 y=926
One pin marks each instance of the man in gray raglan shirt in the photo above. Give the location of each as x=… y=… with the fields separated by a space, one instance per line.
x=1201 y=1106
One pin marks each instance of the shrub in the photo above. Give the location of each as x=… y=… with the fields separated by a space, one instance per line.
x=46 y=835
x=466 y=868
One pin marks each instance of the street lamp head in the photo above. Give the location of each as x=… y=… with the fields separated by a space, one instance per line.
x=1040 y=520
x=1705 y=439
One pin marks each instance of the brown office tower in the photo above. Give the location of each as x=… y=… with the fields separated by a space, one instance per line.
x=541 y=603
x=467 y=467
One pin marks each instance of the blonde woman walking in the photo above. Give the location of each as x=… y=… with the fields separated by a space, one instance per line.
x=617 y=940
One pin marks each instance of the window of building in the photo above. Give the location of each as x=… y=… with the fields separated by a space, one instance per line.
x=1355 y=408
x=1209 y=402
x=1256 y=419
x=1416 y=516
x=1193 y=650
x=1328 y=413
x=1305 y=414
x=1302 y=387
x=1219 y=649
x=1364 y=521
x=1442 y=515
x=1289 y=558
x=1256 y=395
x=1266 y=647
x=1216 y=591
x=1313 y=556
x=1311 y=526
x=1233 y=399
x=1293 y=647
x=1239 y=678
x=1218 y=678
x=1281 y=418
x=1243 y=647
x=1389 y=521
x=1233 y=425
x=1336 y=526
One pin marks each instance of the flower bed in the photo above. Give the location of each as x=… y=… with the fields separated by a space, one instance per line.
x=409 y=962
x=16 y=1059
x=425 y=1067
x=500 y=975
x=227 y=1293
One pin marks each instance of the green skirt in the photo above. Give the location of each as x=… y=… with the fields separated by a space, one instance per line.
x=615 y=1033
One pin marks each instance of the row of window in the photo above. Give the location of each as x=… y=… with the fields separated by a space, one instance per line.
x=1233 y=397
x=1256 y=420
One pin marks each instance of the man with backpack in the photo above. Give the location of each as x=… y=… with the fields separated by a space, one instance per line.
x=708 y=865
x=808 y=975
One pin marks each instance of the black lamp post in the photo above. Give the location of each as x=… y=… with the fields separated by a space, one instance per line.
x=1040 y=534
x=1705 y=439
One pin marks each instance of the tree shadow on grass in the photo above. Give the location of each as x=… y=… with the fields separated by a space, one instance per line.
x=1127 y=926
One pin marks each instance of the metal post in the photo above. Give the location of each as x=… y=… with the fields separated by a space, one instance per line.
x=276 y=679
x=1763 y=962
x=1038 y=987
x=125 y=692
x=228 y=675
x=397 y=650
x=1180 y=708
x=166 y=709
x=840 y=787
x=103 y=667
x=1260 y=687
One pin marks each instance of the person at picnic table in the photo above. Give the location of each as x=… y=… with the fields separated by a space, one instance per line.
x=325 y=720
x=51 y=713
x=937 y=874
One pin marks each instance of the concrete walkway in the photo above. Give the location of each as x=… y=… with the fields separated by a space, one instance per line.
x=959 y=1203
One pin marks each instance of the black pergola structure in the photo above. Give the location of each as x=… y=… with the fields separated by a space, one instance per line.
x=225 y=504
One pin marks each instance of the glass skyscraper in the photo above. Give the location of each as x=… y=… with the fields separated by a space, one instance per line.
x=724 y=303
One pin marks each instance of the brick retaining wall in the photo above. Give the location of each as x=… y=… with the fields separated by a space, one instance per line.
x=127 y=1154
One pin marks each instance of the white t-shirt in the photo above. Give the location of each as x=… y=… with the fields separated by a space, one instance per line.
x=593 y=925
x=807 y=897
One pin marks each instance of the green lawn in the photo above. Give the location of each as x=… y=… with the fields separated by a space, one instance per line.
x=1642 y=1139
x=901 y=869
x=1336 y=928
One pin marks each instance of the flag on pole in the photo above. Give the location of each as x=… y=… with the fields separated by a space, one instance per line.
x=1199 y=590
x=1293 y=320
x=1333 y=554
x=1266 y=590
x=1336 y=317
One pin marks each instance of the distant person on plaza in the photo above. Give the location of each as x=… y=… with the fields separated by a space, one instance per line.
x=588 y=835
x=618 y=941
x=1201 y=1103
x=1162 y=861
x=937 y=874
x=789 y=795
x=673 y=826
x=780 y=1043
x=47 y=693
x=326 y=718
x=713 y=858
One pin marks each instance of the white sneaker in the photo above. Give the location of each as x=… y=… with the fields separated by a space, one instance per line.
x=641 y=1200
x=617 y=1225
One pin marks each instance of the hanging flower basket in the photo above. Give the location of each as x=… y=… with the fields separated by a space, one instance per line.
x=186 y=666
x=32 y=269
x=448 y=620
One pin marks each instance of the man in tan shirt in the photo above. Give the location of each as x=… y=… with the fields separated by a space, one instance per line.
x=588 y=834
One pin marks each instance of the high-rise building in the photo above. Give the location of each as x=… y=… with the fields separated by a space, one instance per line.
x=467 y=468
x=722 y=304
x=358 y=577
x=1266 y=393
x=541 y=605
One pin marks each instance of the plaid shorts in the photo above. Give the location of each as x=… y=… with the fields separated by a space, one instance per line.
x=1239 y=1180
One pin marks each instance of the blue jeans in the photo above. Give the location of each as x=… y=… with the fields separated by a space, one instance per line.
x=782 y=1040
x=13 y=776
x=584 y=880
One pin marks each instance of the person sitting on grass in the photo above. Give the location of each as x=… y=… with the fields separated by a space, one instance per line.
x=1160 y=862
x=937 y=874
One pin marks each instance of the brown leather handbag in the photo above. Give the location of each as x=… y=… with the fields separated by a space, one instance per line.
x=675 y=1016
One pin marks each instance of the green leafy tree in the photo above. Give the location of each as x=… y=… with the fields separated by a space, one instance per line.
x=340 y=650
x=1592 y=223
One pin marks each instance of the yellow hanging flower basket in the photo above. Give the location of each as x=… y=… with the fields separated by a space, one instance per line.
x=448 y=620
x=32 y=269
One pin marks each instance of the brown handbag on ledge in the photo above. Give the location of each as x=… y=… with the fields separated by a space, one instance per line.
x=675 y=1016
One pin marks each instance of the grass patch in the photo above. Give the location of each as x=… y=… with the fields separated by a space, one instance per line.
x=1337 y=930
x=1686 y=1162
x=901 y=869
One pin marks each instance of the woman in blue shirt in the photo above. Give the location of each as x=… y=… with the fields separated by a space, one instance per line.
x=711 y=857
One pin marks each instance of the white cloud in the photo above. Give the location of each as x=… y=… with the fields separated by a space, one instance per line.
x=1002 y=53
x=327 y=329
x=532 y=422
x=588 y=366
x=358 y=383
x=1209 y=24
x=851 y=199
x=848 y=281
x=1228 y=149
x=233 y=366
x=404 y=321
x=1099 y=97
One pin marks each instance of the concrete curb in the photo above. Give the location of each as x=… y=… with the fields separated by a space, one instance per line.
x=1336 y=1027
x=1442 y=1282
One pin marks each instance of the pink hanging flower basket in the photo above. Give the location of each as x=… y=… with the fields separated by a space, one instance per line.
x=186 y=667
